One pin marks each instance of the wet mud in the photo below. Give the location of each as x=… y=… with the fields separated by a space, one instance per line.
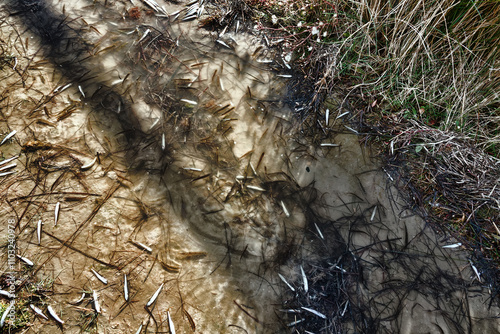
x=172 y=161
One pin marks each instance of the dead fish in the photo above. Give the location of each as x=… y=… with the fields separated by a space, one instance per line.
x=79 y=299
x=155 y=6
x=191 y=17
x=143 y=246
x=5 y=314
x=295 y=322
x=453 y=246
x=478 y=274
x=345 y=308
x=101 y=278
x=319 y=232
x=170 y=324
x=56 y=213
x=193 y=169
x=39 y=231
x=341 y=269
x=221 y=85
x=90 y=164
x=267 y=41
x=321 y=315
x=25 y=260
x=125 y=287
x=10 y=135
x=373 y=213
x=223 y=43
x=143 y=36
x=81 y=91
x=153 y=298
x=253 y=169
x=8 y=166
x=8 y=173
x=243 y=177
x=154 y=124
x=96 y=302
x=53 y=314
x=8 y=160
x=194 y=103
x=6 y=294
x=351 y=129
x=63 y=88
x=285 y=281
x=342 y=115
x=38 y=311
x=139 y=330
x=255 y=188
x=285 y=209
x=119 y=81
x=304 y=278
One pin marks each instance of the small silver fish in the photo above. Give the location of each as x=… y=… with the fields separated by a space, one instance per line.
x=8 y=166
x=79 y=300
x=342 y=115
x=96 y=302
x=223 y=43
x=304 y=278
x=5 y=314
x=38 y=311
x=373 y=213
x=453 y=246
x=319 y=232
x=170 y=324
x=26 y=260
x=153 y=298
x=7 y=294
x=478 y=274
x=285 y=209
x=39 y=231
x=321 y=315
x=81 y=91
x=90 y=164
x=100 y=277
x=125 y=287
x=143 y=246
x=189 y=102
x=255 y=188
x=8 y=160
x=285 y=281
x=53 y=314
x=56 y=213
x=8 y=137
x=193 y=169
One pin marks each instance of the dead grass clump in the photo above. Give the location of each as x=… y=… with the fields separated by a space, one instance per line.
x=453 y=183
x=225 y=13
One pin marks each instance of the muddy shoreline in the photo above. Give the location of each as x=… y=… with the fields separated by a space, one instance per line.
x=205 y=185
